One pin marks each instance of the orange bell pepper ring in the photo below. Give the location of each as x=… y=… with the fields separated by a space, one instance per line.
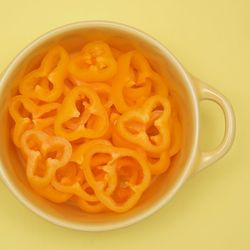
x=159 y=86
x=89 y=207
x=94 y=63
x=79 y=151
x=148 y=126
x=126 y=79
x=116 y=52
x=78 y=157
x=51 y=194
x=45 y=154
x=159 y=165
x=113 y=179
x=68 y=86
x=47 y=82
x=112 y=120
x=136 y=95
x=70 y=179
x=135 y=81
x=102 y=89
x=27 y=115
x=81 y=115
x=19 y=128
x=22 y=107
x=119 y=141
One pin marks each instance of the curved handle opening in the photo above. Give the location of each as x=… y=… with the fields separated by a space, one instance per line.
x=208 y=93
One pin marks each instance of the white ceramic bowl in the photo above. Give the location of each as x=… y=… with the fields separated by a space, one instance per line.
x=189 y=92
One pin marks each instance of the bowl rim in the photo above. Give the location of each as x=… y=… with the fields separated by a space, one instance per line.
x=181 y=71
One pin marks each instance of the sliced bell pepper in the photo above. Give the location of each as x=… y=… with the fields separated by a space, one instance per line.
x=89 y=207
x=110 y=169
x=135 y=81
x=51 y=194
x=102 y=89
x=45 y=154
x=19 y=128
x=125 y=80
x=70 y=179
x=116 y=52
x=78 y=157
x=159 y=165
x=22 y=107
x=81 y=115
x=113 y=116
x=27 y=115
x=94 y=63
x=47 y=82
x=136 y=95
x=159 y=86
x=119 y=141
x=78 y=153
x=68 y=86
x=148 y=126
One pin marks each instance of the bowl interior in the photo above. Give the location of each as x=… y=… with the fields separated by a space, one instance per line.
x=72 y=38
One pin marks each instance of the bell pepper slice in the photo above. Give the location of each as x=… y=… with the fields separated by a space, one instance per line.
x=116 y=52
x=19 y=128
x=45 y=154
x=27 y=115
x=125 y=79
x=111 y=167
x=113 y=116
x=22 y=107
x=89 y=207
x=47 y=82
x=94 y=63
x=81 y=115
x=137 y=95
x=51 y=194
x=70 y=179
x=78 y=157
x=78 y=153
x=119 y=141
x=68 y=86
x=159 y=165
x=102 y=89
x=159 y=86
x=135 y=81
x=148 y=126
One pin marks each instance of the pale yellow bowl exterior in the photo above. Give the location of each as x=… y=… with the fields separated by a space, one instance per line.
x=188 y=90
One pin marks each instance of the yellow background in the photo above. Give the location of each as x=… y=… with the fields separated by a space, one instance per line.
x=212 y=39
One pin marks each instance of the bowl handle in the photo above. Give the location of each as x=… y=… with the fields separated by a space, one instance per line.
x=206 y=92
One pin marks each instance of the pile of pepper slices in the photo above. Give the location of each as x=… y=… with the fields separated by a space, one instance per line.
x=94 y=126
